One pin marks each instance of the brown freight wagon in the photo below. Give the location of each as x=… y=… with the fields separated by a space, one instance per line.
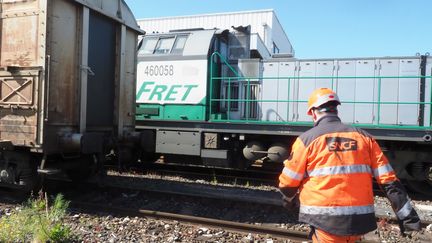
x=67 y=85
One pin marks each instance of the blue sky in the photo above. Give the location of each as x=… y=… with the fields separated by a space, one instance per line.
x=325 y=28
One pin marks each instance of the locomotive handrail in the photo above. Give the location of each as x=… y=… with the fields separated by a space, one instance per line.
x=222 y=58
x=246 y=100
x=213 y=56
x=342 y=101
x=321 y=77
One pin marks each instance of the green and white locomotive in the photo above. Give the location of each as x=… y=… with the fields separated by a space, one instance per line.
x=205 y=94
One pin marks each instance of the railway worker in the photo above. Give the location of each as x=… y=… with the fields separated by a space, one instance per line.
x=328 y=175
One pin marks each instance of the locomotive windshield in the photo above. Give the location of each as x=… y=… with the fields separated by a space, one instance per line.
x=163 y=45
x=148 y=45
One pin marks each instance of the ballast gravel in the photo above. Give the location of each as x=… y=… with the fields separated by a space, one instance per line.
x=102 y=227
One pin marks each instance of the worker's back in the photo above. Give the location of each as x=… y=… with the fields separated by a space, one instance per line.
x=331 y=168
x=338 y=177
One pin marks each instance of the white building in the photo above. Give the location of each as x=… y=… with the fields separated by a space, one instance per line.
x=268 y=36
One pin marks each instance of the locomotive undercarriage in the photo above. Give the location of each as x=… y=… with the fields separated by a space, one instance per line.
x=413 y=165
x=239 y=146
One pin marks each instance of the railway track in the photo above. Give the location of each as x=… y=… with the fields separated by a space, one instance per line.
x=131 y=186
x=200 y=221
x=213 y=191
x=216 y=194
x=255 y=176
x=252 y=176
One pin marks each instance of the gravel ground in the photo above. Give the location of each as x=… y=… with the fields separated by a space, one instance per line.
x=97 y=227
x=90 y=227
x=124 y=229
x=423 y=207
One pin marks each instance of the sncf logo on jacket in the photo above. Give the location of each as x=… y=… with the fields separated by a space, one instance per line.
x=341 y=144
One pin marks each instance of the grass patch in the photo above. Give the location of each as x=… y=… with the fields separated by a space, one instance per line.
x=37 y=221
x=214 y=179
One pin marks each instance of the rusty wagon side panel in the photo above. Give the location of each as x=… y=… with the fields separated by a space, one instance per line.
x=63 y=61
x=22 y=61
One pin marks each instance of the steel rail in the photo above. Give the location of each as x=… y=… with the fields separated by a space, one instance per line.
x=210 y=222
x=254 y=177
x=383 y=217
x=270 y=200
x=211 y=192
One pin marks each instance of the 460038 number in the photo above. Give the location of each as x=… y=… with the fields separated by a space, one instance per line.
x=159 y=70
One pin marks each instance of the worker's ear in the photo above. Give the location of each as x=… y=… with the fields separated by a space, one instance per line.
x=314 y=115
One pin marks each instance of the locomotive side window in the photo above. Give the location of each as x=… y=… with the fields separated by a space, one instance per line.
x=179 y=44
x=164 y=45
x=148 y=45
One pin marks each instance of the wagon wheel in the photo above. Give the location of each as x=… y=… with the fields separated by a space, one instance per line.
x=84 y=168
x=19 y=171
x=28 y=178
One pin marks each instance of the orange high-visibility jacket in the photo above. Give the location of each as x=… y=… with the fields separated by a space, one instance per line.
x=332 y=166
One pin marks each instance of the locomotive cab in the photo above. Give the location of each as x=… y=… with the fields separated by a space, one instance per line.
x=174 y=85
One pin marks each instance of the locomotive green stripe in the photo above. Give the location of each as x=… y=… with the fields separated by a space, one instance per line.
x=184 y=112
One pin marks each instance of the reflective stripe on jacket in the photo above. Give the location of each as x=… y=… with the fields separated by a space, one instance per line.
x=332 y=166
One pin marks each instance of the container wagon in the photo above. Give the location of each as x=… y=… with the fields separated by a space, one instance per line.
x=67 y=73
x=202 y=93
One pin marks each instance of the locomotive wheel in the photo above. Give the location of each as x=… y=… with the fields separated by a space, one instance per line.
x=240 y=162
x=422 y=187
x=422 y=172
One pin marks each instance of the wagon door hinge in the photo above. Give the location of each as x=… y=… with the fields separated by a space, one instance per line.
x=88 y=70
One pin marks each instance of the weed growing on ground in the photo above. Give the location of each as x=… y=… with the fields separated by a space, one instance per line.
x=37 y=221
x=214 y=179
